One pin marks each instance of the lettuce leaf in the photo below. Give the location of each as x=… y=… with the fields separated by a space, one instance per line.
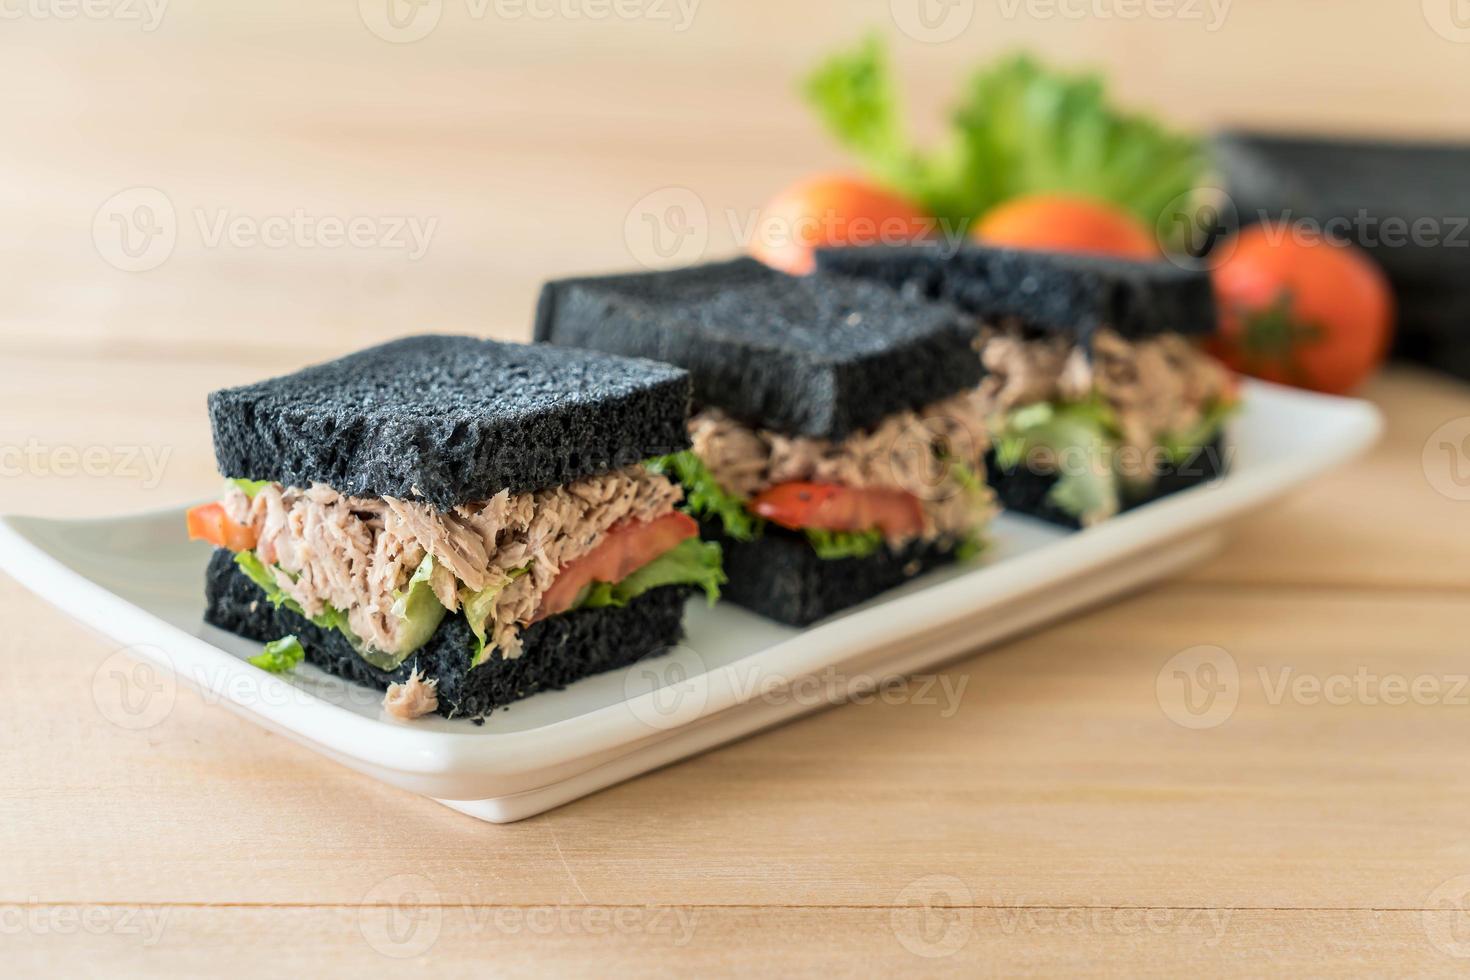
x=1077 y=440
x=844 y=544
x=1083 y=439
x=416 y=609
x=690 y=562
x=259 y=573
x=480 y=606
x=1179 y=446
x=280 y=656
x=1020 y=128
x=705 y=498
x=250 y=487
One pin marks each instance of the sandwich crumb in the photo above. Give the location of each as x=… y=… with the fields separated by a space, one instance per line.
x=413 y=698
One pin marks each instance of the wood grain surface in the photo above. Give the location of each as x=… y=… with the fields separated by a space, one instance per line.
x=1049 y=816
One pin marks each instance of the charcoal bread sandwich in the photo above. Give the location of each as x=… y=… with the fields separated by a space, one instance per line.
x=458 y=521
x=1407 y=203
x=1095 y=396
x=836 y=450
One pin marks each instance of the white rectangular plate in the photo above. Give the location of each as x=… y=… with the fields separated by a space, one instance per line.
x=140 y=582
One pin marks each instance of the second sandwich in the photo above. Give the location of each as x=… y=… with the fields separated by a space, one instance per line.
x=837 y=449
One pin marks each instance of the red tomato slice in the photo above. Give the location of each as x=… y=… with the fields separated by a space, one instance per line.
x=209 y=522
x=832 y=507
x=628 y=547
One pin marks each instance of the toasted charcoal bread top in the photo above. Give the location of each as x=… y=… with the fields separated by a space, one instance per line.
x=802 y=356
x=450 y=420
x=1050 y=292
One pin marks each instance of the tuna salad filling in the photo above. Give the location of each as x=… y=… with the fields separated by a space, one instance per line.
x=1105 y=418
x=385 y=572
x=917 y=476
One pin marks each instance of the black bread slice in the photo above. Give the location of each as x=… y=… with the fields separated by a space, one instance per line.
x=780 y=576
x=450 y=420
x=1046 y=292
x=557 y=652
x=1026 y=491
x=801 y=356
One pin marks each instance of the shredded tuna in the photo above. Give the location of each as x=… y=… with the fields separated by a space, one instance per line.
x=355 y=554
x=910 y=451
x=1155 y=387
x=413 y=698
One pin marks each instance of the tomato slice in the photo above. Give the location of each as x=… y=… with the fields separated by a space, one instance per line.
x=209 y=522
x=832 y=507
x=628 y=547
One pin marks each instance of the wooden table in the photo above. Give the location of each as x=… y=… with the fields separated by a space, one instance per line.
x=1056 y=822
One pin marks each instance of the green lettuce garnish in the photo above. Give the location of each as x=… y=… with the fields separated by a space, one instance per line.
x=1179 y=446
x=1019 y=128
x=1077 y=441
x=280 y=656
x=480 y=606
x=258 y=572
x=250 y=487
x=844 y=544
x=416 y=605
x=1080 y=440
x=704 y=497
x=690 y=562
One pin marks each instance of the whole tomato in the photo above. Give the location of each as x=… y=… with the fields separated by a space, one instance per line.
x=832 y=210
x=1066 y=223
x=1301 y=310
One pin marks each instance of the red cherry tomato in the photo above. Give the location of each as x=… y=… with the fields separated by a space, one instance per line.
x=1302 y=312
x=628 y=547
x=831 y=507
x=1065 y=223
x=832 y=210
